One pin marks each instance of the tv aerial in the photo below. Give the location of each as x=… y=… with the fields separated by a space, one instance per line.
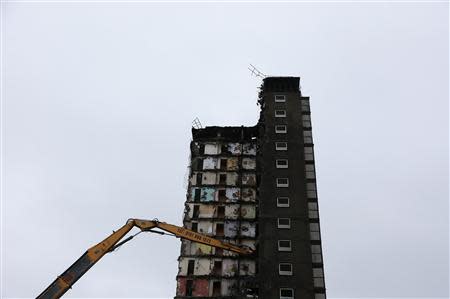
x=255 y=72
x=196 y=123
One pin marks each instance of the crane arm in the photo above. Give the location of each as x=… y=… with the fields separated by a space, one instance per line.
x=65 y=281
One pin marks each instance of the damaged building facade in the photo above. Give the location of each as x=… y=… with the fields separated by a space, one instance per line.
x=256 y=187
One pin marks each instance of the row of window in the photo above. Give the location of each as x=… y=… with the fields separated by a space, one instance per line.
x=280 y=98
x=307 y=139
x=288 y=293
x=282 y=129
x=286 y=269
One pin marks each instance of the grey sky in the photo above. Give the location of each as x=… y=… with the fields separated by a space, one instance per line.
x=98 y=101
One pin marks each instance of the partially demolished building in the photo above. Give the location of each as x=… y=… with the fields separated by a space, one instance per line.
x=255 y=186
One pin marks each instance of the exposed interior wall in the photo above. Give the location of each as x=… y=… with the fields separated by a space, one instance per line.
x=221 y=202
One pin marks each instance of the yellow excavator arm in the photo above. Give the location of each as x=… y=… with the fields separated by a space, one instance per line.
x=65 y=281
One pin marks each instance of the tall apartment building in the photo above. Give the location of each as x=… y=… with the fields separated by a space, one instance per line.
x=255 y=186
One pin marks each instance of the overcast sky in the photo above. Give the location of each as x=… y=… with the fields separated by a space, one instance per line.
x=98 y=101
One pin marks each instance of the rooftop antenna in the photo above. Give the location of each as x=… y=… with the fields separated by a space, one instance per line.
x=196 y=123
x=255 y=72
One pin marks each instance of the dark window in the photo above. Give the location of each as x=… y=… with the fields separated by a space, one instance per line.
x=219 y=229
x=286 y=293
x=280 y=113
x=222 y=195
x=222 y=178
x=280 y=129
x=190 y=269
x=217 y=269
x=282 y=182
x=223 y=164
x=197 y=193
x=189 y=287
x=219 y=251
x=217 y=288
x=281 y=146
x=285 y=269
x=221 y=211
x=194 y=226
x=225 y=149
x=284 y=245
x=284 y=223
x=283 y=202
x=196 y=211
x=198 y=164
x=199 y=178
x=280 y=98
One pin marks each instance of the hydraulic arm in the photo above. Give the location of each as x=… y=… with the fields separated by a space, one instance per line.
x=65 y=281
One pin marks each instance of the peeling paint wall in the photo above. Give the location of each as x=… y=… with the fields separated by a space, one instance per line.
x=231 y=229
x=249 y=163
x=210 y=163
x=234 y=148
x=248 y=211
x=230 y=267
x=248 y=229
x=201 y=288
x=249 y=149
x=211 y=149
x=209 y=178
x=249 y=179
x=232 y=194
x=232 y=179
x=248 y=194
x=247 y=267
x=232 y=211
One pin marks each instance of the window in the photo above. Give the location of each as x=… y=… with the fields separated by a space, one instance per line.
x=220 y=211
x=283 y=202
x=318 y=277
x=217 y=288
x=281 y=146
x=314 y=231
x=196 y=211
x=197 y=164
x=222 y=179
x=223 y=164
x=305 y=105
x=190 y=269
x=313 y=212
x=309 y=155
x=309 y=171
x=284 y=223
x=282 y=163
x=197 y=192
x=189 y=287
x=281 y=129
x=285 y=269
x=222 y=195
x=316 y=253
x=199 y=177
x=280 y=113
x=194 y=226
x=280 y=98
x=306 y=120
x=284 y=245
x=311 y=190
x=217 y=268
x=307 y=137
x=282 y=182
x=286 y=293
x=219 y=229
